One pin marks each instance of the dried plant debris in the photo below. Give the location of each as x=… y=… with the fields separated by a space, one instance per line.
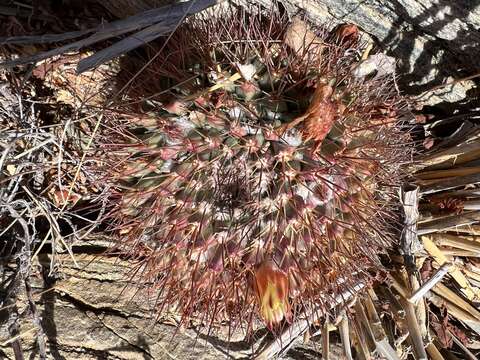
x=42 y=140
x=147 y=26
x=444 y=280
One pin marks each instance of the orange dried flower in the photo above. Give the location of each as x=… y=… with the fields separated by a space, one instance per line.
x=319 y=117
x=321 y=114
x=271 y=285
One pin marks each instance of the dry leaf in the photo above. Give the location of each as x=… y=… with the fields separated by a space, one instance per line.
x=441 y=329
x=71 y=88
x=421 y=118
x=347 y=33
x=301 y=39
x=11 y=169
x=60 y=197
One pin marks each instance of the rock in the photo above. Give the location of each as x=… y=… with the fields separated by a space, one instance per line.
x=90 y=313
x=434 y=41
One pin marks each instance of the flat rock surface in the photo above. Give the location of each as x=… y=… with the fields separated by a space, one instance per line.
x=433 y=41
x=88 y=314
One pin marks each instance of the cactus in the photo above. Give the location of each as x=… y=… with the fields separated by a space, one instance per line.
x=251 y=169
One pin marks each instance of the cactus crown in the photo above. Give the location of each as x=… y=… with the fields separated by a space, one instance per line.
x=260 y=174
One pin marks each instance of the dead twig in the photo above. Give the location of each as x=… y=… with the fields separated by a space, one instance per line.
x=151 y=23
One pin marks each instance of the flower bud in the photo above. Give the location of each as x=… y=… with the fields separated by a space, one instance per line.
x=272 y=289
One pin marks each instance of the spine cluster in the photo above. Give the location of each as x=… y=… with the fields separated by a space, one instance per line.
x=258 y=171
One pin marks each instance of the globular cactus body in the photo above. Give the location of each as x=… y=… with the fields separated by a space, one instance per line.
x=262 y=173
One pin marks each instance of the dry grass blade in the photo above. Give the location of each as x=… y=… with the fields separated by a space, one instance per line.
x=410 y=244
x=377 y=332
x=457 y=275
x=441 y=174
x=46 y=38
x=443 y=223
x=444 y=184
x=452 y=156
x=467 y=352
x=433 y=352
x=414 y=330
x=450 y=295
x=344 y=330
x=434 y=279
x=364 y=322
x=123 y=46
x=326 y=340
x=163 y=19
x=17 y=337
x=362 y=341
x=472 y=230
x=398 y=286
x=451 y=253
